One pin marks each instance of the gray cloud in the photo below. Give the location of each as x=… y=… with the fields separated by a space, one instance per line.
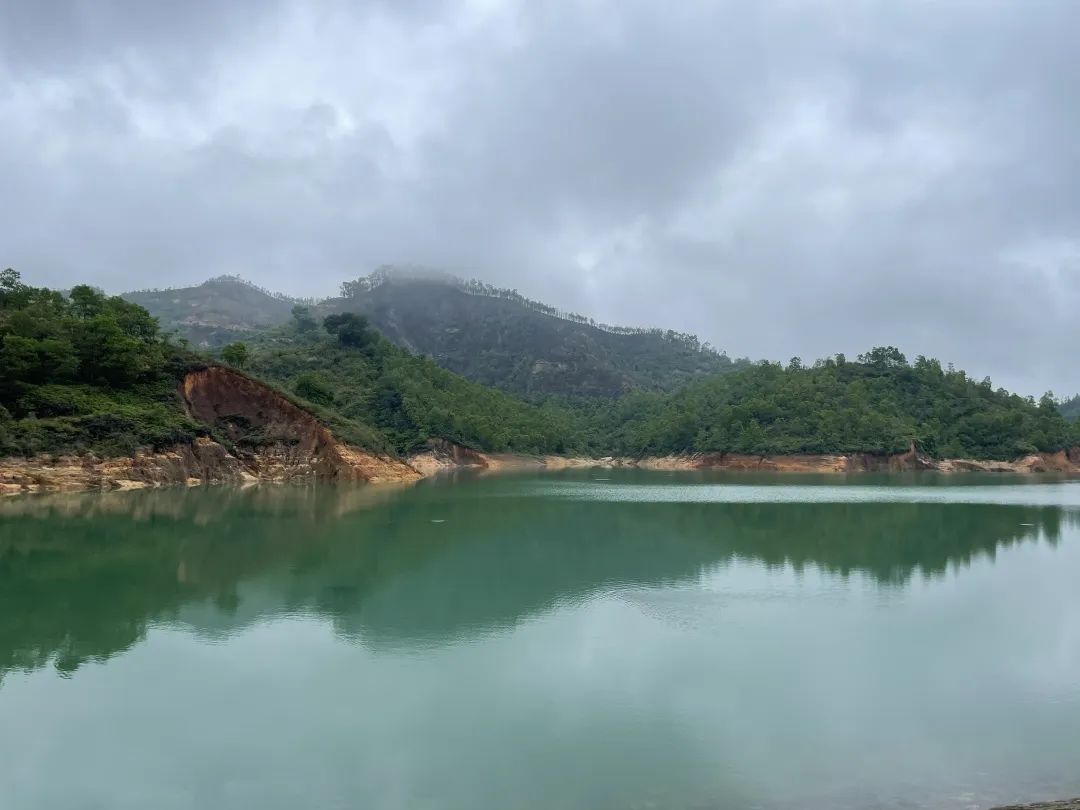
x=782 y=178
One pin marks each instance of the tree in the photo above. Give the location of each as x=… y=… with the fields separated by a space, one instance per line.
x=235 y=354
x=350 y=329
x=13 y=293
x=314 y=389
x=883 y=357
x=304 y=321
x=86 y=302
x=107 y=354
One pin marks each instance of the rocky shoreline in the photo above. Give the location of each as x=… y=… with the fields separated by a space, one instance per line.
x=311 y=454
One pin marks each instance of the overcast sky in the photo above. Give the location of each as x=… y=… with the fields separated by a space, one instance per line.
x=795 y=178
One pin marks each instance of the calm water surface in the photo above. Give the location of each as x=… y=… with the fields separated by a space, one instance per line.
x=645 y=641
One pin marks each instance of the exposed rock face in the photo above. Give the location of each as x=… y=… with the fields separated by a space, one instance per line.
x=1066 y=804
x=203 y=461
x=293 y=446
x=442 y=455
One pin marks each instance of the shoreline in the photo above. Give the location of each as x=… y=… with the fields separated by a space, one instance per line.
x=208 y=462
x=445 y=456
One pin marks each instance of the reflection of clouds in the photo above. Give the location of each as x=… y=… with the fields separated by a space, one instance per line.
x=669 y=653
x=696 y=605
x=1064 y=495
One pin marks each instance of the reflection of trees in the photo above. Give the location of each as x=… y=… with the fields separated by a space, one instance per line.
x=82 y=577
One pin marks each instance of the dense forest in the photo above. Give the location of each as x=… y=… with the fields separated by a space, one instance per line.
x=347 y=367
x=879 y=403
x=85 y=371
x=1070 y=408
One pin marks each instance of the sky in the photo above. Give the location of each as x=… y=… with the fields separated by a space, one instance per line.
x=781 y=178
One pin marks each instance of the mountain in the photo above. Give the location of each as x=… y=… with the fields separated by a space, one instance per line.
x=499 y=338
x=216 y=312
x=488 y=335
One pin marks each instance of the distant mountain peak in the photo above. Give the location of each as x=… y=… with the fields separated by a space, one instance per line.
x=489 y=334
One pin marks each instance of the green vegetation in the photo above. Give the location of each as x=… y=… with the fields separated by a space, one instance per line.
x=880 y=404
x=87 y=372
x=216 y=312
x=235 y=354
x=349 y=369
x=1070 y=408
x=502 y=339
x=84 y=372
x=492 y=336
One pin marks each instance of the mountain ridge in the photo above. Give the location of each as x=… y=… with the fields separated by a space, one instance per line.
x=487 y=334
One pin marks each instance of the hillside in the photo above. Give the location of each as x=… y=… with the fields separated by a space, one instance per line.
x=87 y=373
x=216 y=312
x=494 y=337
x=879 y=404
x=349 y=369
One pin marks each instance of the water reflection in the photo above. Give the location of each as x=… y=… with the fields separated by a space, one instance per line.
x=83 y=577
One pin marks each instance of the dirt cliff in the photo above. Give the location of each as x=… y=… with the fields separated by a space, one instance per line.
x=292 y=443
x=272 y=439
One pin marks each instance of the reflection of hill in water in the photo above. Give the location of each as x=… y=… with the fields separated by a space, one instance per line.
x=81 y=577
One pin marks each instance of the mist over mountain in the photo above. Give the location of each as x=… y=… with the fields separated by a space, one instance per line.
x=489 y=335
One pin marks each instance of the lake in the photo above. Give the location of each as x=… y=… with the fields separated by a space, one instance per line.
x=587 y=639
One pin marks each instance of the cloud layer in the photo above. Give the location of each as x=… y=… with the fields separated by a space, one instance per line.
x=782 y=178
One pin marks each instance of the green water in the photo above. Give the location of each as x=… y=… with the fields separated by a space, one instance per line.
x=646 y=641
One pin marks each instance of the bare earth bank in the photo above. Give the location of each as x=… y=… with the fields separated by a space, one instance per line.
x=325 y=459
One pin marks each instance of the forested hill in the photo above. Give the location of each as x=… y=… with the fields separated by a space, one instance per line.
x=216 y=312
x=878 y=404
x=499 y=338
x=83 y=372
x=491 y=336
